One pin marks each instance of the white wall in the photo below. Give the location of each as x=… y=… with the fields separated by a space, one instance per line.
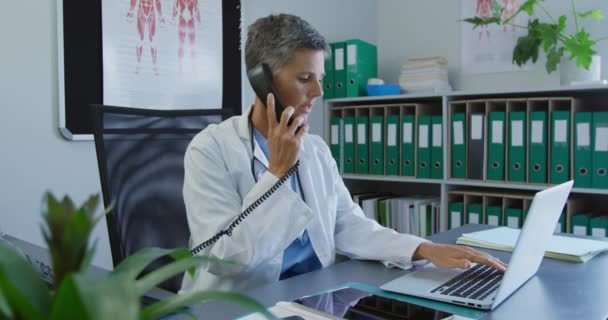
x=337 y=20
x=35 y=158
x=414 y=29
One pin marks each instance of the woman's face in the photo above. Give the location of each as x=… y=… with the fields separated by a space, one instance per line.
x=298 y=83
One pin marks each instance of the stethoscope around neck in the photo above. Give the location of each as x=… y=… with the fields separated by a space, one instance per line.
x=253 y=173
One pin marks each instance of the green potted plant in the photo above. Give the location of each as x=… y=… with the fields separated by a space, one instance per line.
x=550 y=35
x=77 y=294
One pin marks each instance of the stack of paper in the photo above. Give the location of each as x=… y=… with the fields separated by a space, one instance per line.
x=284 y=309
x=560 y=247
x=426 y=74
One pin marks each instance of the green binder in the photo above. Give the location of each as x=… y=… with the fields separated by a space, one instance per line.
x=561 y=223
x=458 y=156
x=408 y=163
x=600 y=150
x=336 y=139
x=377 y=145
x=494 y=215
x=537 y=168
x=349 y=144
x=496 y=146
x=582 y=149
x=361 y=64
x=382 y=212
x=517 y=147
x=580 y=224
x=474 y=214
x=560 y=146
x=392 y=145
x=328 y=79
x=423 y=169
x=362 y=148
x=339 y=53
x=599 y=226
x=513 y=217
x=436 y=147
x=456 y=215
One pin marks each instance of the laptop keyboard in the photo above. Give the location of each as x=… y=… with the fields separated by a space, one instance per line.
x=475 y=283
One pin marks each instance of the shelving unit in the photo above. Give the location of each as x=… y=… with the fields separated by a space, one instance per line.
x=592 y=98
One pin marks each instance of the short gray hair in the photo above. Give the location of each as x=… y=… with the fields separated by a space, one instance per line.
x=275 y=39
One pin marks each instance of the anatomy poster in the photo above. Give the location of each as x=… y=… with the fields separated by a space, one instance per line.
x=162 y=54
x=489 y=49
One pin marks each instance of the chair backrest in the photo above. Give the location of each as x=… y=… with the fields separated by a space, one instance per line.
x=140 y=155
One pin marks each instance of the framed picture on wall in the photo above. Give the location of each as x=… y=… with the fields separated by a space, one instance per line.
x=153 y=54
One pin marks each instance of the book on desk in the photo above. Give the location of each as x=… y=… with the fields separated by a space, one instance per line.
x=560 y=247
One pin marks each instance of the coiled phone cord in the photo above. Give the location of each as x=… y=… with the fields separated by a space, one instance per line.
x=244 y=214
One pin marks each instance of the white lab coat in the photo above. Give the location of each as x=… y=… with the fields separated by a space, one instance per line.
x=219 y=185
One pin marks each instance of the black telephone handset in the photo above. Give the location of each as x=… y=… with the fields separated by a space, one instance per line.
x=260 y=78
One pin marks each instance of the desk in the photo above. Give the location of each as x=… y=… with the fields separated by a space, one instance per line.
x=560 y=289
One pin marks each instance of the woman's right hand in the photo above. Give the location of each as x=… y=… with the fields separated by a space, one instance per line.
x=283 y=140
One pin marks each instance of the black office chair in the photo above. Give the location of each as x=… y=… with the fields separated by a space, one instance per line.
x=140 y=155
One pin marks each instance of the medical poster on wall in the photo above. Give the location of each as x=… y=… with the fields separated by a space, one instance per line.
x=162 y=54
x=489 y=49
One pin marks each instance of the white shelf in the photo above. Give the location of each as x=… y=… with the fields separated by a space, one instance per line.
x=456 y=94
x=519 y=186
x=390 y=178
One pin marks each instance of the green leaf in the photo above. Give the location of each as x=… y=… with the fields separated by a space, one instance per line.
x=5 y=309
x=477 y=21
x=580 y=48
x=167 y=306
x=554 y=56
x=595 y=14
x=86 y=262
x=133 y=265
x=528 y=7
x=23 y=290
x=55 y=216
x=83 y=296
x=68 y=205
x=167 y=271
x=527 y=47
x=91 y=204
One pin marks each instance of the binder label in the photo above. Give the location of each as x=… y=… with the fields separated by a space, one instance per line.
x=537 y=132
x=458 y=133
x=560 y=131
x=348 y=133
x=493 y=220
x=392 y=135
x=476 y=131
x=361 y=133
x=339 y=59
x=351 y=54
x=601 y=139
x=455 y=219
x=513 y=222
x=334 y=134
x=580 y=230
x=517 y=128
x=598 y=232
x=582 y=134
x=423 y=132
x=474 y=218
x=376 y=132
x=497 y=131
x=437 y=135
x=407 y=132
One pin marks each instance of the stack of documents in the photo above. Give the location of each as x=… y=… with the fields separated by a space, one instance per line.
x=424 y=75
x=564 y=248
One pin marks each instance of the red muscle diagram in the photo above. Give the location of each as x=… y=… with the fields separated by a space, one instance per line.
x=146 y=25
x=186 y=12
x=484 y=10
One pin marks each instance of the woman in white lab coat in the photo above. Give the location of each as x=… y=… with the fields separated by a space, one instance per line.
x=310 y=217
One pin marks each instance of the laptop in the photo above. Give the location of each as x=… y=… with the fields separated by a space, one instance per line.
x=482 y=287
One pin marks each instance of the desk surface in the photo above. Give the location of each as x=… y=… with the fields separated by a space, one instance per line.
x=559 y=290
